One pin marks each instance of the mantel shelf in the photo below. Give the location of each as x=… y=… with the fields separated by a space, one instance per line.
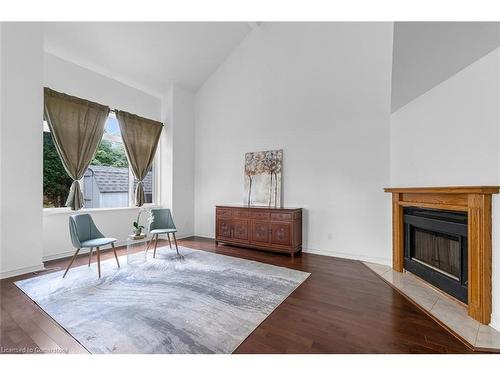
x=446 y=190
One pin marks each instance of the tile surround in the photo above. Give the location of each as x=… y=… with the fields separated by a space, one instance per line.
x=487 y=337
x=443 y=308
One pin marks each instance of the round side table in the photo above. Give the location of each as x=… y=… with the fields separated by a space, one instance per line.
x=136 y=249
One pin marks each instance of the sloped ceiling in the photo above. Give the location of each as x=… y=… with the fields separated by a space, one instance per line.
x=427 y=53
x=148 y=55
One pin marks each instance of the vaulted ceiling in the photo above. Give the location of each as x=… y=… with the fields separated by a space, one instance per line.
x=427 y=53
x=147 y=55
x=153 y=55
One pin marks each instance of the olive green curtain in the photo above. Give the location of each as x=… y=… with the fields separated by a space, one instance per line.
x=140 y=137
x=77 y=127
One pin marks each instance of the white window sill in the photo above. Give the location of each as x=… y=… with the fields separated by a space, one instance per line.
x=68 y=211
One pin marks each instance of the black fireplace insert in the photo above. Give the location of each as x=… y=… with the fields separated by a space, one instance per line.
x=436 y=248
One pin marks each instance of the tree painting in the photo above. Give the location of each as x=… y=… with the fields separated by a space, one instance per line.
x=250 y=172
x=263 y=178
x=273 y=168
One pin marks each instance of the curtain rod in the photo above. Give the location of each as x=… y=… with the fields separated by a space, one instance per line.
x=110 y=109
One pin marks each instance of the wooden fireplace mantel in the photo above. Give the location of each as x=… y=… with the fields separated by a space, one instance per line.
x=476 y=201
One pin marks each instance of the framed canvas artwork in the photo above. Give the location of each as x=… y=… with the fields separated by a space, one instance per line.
x=263 y=178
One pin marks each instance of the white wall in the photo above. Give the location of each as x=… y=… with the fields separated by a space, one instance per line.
x=183 y=160
x=321 y=92
x=65 y=76
x=450 y=136
x=166 y=147
x=177 y=151
x=21 y=147
x=75 y=80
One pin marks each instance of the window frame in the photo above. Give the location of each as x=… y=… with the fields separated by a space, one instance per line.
x=131 y=193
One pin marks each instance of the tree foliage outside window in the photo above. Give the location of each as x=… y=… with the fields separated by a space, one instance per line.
x=111 y=155
x=56 y=182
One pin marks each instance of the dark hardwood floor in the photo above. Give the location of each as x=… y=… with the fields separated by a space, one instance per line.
x=343 y=307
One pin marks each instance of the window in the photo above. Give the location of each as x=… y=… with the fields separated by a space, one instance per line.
x=108 y=181
x=147 y=184
x=56 y=182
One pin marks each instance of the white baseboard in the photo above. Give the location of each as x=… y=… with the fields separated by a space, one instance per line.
x=495 y=322
x=63 y=254
x=185 y=235
x=329 y=253
x=337 y=254
x=204 y=235
x=69 y=253
x=21 y=271
x=66 y=254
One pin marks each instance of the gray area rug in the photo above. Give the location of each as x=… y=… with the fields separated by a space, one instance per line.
x=203 y=303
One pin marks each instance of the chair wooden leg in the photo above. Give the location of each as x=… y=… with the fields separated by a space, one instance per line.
x=90 y=255
x=149 y=243
x=116 y=256
x=176 y=247
x=70 y=263
x=169 y=242
x=156 y=243
x=98 y=261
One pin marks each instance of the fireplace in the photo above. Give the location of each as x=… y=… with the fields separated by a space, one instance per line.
x=457 y=203
x=435 y=248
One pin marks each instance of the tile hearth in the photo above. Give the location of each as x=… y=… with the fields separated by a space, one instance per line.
x=443 y=308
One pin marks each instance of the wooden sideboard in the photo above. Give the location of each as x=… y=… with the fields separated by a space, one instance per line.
x=271 y=229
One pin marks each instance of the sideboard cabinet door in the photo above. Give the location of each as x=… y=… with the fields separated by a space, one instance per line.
x=281 y=234
x=260 y=232
x=240 y=229
x=224 y=228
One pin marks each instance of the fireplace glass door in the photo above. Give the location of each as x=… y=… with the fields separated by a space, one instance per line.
x=436 y=249
x=439 y=251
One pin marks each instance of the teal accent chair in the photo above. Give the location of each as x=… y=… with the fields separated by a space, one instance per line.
x=84 y=234
x=162 y=223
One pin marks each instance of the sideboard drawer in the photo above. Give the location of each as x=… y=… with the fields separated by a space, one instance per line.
x=224 y=213
x=240 y=214
x=259 y=215
x=281 y=216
